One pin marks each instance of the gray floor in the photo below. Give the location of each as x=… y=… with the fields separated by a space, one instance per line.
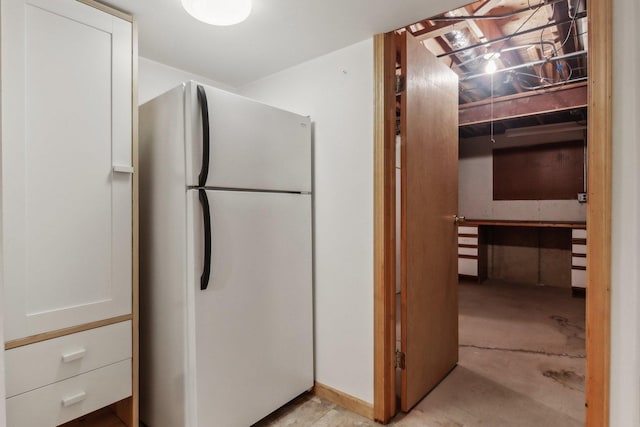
x=521 y=364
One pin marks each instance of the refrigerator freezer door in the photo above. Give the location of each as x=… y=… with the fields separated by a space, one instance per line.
x=251 y=145
x=251 y=334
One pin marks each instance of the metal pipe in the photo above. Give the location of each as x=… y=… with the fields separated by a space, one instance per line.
x=507 y=49
x=499 y=39
x=528 y=64
x=547 y=86
x=499 y=16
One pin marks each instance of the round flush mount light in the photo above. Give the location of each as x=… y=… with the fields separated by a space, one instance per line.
x=218 y=12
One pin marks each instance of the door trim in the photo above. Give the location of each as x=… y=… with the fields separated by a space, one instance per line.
x=599 y=133
x=384 y=247
x=598 y=300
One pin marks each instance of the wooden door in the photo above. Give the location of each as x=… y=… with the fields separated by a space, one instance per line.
x=66 y=166
x=429 y=150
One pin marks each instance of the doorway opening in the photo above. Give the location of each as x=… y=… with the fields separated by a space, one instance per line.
x=512 y=66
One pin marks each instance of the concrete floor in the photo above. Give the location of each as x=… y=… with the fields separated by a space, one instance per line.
x=521 y=364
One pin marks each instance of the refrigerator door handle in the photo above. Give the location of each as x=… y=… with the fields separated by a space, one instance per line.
x=204 y=108
x=206 y=213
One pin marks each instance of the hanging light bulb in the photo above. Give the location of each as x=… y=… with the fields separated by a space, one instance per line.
x=491 y=67
x=218 y=12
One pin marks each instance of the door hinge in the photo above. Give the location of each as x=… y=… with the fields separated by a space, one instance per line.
x=399 y=362
x=399 y=84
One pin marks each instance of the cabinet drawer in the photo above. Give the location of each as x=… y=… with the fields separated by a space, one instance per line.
x=467 y=230
x=579 y=261
x=579 y=249
x=468 y=267
x=468 y=251
x=63 y=401
x=47 y=362
x=467 y=240
x=578 y=233
x=578 y=278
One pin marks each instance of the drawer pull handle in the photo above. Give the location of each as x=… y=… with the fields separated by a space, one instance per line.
x=123 y=168
x=74 y=355
x=72 y=400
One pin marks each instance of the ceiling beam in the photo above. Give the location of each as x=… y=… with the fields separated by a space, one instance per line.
x=485 y=8
x=438 y=29
x=509 y=58
x=510 y=36
x=525 y=104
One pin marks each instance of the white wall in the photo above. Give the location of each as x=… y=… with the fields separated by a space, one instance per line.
x=475 y=196
x=625 y=322
x=336 y=90
x=155 y=78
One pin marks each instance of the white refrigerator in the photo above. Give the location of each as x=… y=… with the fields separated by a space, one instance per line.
x=226 y=327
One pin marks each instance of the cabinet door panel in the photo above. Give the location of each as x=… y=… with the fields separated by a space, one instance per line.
x=66 y=121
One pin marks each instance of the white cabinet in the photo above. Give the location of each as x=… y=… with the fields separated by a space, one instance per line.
x=46 y=362
x=68 y=193
x=578 y=260
x=66 y=146
x=468 y=251
x=65 y=400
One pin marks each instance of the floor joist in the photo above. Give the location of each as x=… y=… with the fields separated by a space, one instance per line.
x=525 y=104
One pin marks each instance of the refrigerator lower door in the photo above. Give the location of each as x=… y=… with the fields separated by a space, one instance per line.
x=250 y=331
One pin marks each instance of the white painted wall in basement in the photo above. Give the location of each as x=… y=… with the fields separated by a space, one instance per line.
x=475 y=195
x=155 y=78
x=336 y=90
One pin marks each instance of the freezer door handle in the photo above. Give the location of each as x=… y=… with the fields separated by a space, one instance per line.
x=204 y=108
x=206 y=214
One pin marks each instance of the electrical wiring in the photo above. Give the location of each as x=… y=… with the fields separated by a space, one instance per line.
x=499 y=39
x=501 y=51
x=497 y=16
x=573 y=18
x=548 y=82
x=542 y=41
x=556 y=50
x=518 y=29
x=550 y=49
x=571 y=27
x=525 y=65
x=546 y=86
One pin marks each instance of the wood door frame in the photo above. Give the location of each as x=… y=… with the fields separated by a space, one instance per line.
x=598 y=300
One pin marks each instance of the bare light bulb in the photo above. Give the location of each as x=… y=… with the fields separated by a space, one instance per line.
x=491 y=67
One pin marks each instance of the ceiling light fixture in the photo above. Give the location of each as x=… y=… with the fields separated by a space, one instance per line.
x=218 y=12
x=491 y=67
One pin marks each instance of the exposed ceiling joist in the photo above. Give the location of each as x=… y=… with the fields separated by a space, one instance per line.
x=525 y=104
x=486 y=8
x=532 y=48
x=439 y=30
x=519 y=33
